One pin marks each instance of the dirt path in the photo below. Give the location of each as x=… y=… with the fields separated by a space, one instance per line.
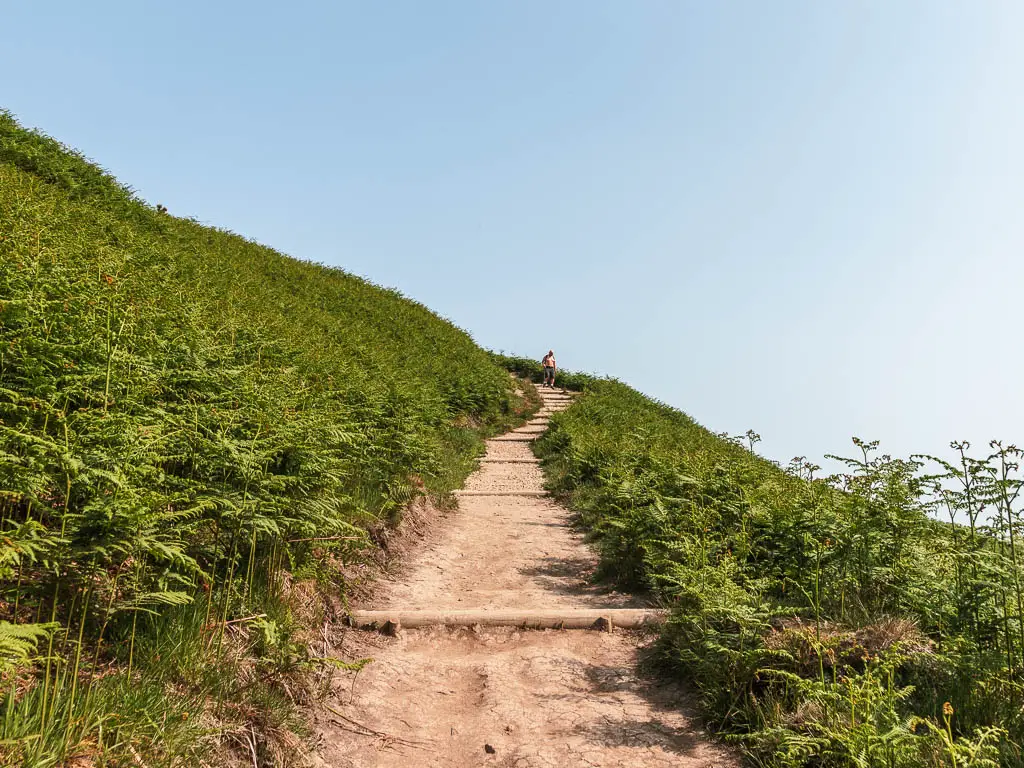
x=461 y=698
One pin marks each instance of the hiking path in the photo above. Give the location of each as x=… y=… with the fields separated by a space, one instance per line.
x=504 y=696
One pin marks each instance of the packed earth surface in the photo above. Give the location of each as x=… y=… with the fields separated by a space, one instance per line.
x=504 y=696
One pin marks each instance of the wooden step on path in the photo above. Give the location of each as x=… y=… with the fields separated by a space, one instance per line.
x=534 y=462
x=604 y=619
x=515 y=438
x=460 y=494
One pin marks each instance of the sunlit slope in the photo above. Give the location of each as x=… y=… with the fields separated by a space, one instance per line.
x=112 y=309
x=187 y=421
x=824 y=621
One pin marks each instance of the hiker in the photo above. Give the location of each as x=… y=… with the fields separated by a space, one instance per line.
x=549 y=369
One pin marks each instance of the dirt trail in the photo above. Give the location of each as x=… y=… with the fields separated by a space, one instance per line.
x=461 y=698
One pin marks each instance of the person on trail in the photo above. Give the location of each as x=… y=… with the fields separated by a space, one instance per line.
x=549 y=369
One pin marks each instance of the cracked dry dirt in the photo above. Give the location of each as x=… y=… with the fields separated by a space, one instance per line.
x=455 y=698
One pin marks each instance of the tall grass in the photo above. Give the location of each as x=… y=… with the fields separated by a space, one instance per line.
x=868 y=618
x=187 y=420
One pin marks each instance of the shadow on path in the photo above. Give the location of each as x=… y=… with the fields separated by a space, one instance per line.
x=573 y=576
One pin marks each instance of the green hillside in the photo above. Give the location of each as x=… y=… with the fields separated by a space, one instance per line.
x=823 y=622
x=202 y=440
x=192 y=424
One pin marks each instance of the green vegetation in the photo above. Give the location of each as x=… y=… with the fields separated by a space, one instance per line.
x=871 y=618
x=196 y=435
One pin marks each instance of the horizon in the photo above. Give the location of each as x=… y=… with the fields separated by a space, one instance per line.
x=800 y=222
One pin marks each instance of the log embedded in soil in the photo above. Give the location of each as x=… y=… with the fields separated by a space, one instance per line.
x=510 y=461
x=501 y=493
x=515 y=439
x=579 y=618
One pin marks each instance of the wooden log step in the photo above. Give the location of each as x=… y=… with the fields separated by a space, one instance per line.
x=510 y=461
x=514 y=438
x=571 y=618
x=500 y=493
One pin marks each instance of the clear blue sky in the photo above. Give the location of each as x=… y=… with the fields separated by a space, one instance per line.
x=802 y=217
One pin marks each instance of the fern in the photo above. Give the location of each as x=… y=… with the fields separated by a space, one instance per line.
x=18 y=643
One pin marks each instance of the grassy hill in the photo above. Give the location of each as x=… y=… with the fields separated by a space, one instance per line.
x=199 y=434
x=823 y=621
x=190 y=425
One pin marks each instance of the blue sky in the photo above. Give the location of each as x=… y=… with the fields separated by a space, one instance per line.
x=802 y=218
